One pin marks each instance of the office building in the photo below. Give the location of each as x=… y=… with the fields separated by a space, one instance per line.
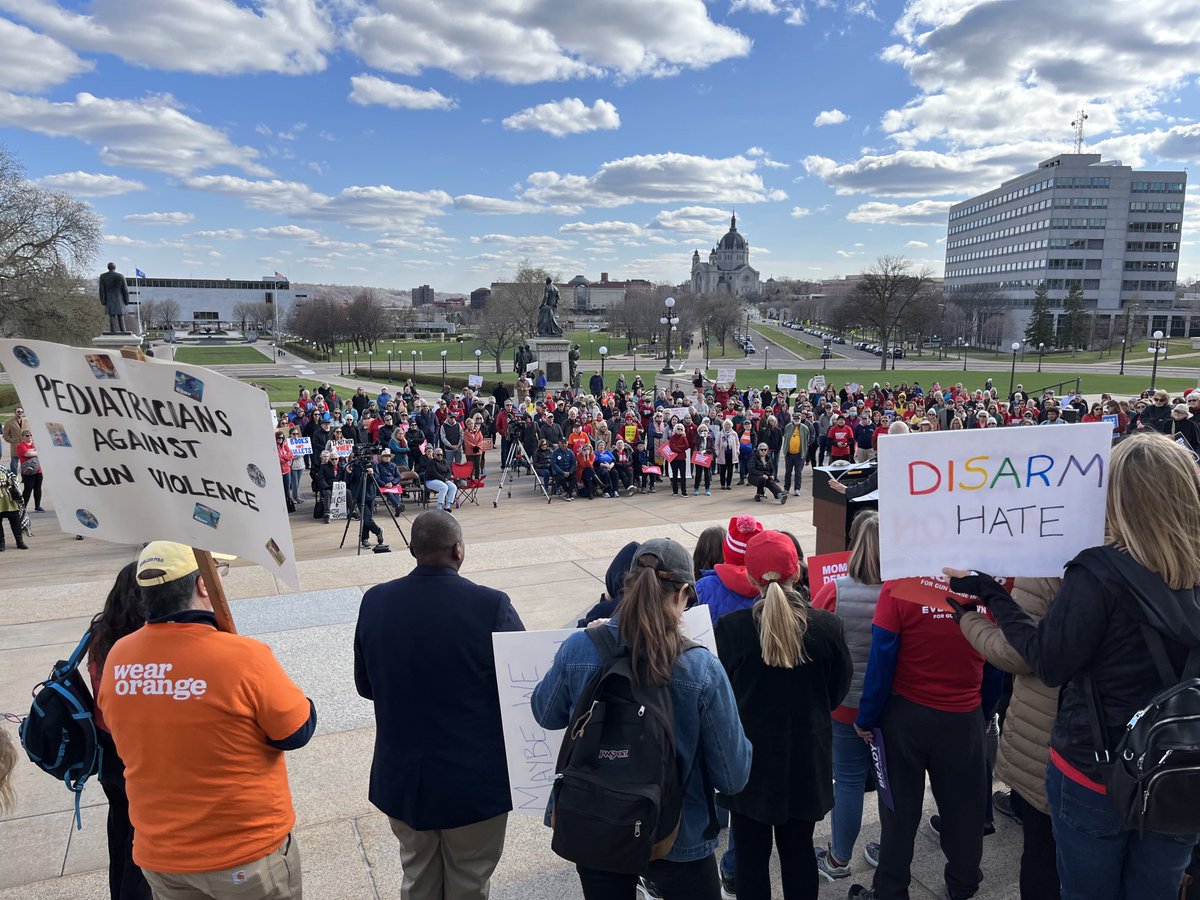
x=423 y=296
x=213 y=302
x=1076 y=220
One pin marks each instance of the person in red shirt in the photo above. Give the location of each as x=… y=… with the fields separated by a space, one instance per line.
x=841 y=440
x=680 y=444
x=922 y=697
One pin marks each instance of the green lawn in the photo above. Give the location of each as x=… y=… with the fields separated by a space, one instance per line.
x=785 y=340
x=464 y=351
x=214 y=356
x=286 y=390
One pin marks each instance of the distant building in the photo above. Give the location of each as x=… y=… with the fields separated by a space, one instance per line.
x=728 y=268
x=210 y=302
x=1076 y=221
x=423 y=296
x=479 y=297
x=579 y=295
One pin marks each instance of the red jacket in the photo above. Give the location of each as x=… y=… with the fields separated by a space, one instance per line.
x=841 y=441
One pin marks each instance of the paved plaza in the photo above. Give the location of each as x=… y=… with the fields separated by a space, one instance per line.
x=549 y=559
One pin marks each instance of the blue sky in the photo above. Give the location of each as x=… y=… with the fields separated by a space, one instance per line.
x=401 y=142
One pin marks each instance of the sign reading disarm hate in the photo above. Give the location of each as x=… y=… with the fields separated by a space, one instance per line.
x=1007 y=501
x=142 y=450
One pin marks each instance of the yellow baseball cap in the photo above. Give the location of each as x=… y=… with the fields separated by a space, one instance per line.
x=162 y=562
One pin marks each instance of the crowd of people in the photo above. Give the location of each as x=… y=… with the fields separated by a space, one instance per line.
x=777 y=727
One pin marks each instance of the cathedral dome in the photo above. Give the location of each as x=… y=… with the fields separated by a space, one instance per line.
x=732 y=240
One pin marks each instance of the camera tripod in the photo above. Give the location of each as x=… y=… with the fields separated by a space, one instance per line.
x=368 y=476
x=516 y=454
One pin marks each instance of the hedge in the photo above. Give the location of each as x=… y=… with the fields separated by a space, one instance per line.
x=431 y=378
x=305 y=351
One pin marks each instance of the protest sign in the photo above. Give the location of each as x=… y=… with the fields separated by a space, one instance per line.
x=703 y=460
x=1013 y=501
x=522 y=660
x=301 y=446
x=824 y=568
x=883 y=784
x=140 y=450
x=682 y=412
x=342 y=448
x=726 y=376
x=816 y=383
x=933 y=591
x=474 y=381
x=1114 y=421
x=785 y=381
x=337 y=501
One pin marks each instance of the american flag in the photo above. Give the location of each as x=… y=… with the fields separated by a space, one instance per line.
x=280 y=277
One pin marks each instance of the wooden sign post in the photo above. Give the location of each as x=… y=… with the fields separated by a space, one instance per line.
x=216 y=590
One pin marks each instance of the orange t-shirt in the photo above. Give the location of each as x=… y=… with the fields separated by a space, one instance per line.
x=191 y=710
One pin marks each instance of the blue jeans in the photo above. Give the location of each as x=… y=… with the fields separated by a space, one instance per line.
x=1099 y=860
x=851 y=766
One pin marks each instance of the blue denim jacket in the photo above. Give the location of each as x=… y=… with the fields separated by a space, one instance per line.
x=708 y=732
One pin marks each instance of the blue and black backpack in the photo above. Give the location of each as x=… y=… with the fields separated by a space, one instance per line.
x=59 y=735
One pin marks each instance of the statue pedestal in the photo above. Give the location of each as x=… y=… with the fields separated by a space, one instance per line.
x=117 y=341
x=552 y=358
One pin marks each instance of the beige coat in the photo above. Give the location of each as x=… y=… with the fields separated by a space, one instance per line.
x=12 y=432
x=1025 y=741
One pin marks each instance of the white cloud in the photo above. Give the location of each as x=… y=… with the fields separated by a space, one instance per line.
x=150 y=133
x=90 y=184
x=830 y=117
x=121 y=240
x=923 y=212
x=525 y=244
x=799 y=212
x=917 y=244
x=203 y=36
x=372 y=208
x=499 y=206
x=221 y=234
x=793 y=10
x=849 y=254
x=567 y=116
x=290 y=232
x=541 y=40
x=34 y=62
x=704 y=222
x=991 y=72
x=764 y=158
x=371 y=89
x=657 y=178
x=161 y=218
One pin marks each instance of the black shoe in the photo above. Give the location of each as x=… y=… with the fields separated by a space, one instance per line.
x=858 y=892
x=366 y=545
x=2 y=547
x=21 y=545
x=327 y=520
x=38 y=509
x=1002 y=803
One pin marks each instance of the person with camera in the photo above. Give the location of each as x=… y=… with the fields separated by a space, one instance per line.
x=361 y=484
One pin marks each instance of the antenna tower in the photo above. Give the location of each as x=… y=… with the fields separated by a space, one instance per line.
x=1080 y=118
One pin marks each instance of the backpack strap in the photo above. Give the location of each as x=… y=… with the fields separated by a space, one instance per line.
x=1095 y=723
x=1158 y=652
x=77 y=654
x=604 y=641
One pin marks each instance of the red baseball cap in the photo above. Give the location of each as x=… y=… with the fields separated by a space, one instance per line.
x=771 y=556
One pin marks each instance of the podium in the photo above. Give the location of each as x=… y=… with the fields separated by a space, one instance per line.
x=832 y=512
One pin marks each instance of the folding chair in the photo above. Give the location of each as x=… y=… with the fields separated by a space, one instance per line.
x=464 y=472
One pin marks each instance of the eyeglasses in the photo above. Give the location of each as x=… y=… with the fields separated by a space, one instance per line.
x=222 y=569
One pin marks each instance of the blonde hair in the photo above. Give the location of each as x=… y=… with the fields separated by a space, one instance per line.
x=782 y=617
x=863 y=566
x=8 y=762
x=1153 y=510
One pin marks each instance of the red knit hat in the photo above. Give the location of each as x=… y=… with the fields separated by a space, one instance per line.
x=771 y=556
x=741 y=530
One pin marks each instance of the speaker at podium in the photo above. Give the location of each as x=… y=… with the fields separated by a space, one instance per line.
x=833 y=511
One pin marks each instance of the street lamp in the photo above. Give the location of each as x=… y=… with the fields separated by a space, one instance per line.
x=1041 y=353
x=1122 y=372
x=603 y=354
x=478 y=354
x=355 y=362
x=671 y=321
x=371 y=362
x=1012 y=374
x=443 y=365
x=1158 y=336
x=389 y=365
x=965 y=345
x=341 y=360
x=414 y=359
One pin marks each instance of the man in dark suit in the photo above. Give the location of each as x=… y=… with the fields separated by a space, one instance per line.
x=423 y=654
x=114 y=295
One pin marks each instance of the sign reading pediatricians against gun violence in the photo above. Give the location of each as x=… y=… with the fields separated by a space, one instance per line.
x=522 y=660
x=1007 y=501
x=144 y=450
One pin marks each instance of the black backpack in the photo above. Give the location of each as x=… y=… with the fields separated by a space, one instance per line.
x=617 y=791
x=1153 y=777
x=59 y=734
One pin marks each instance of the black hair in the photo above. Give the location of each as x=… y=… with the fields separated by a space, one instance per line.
x=123 y=614
x=168 y=599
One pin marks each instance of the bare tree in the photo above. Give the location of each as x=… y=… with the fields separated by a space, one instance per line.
x=525 y=294
x=883 y=294
x=322 y=321
x=366 y=319
x=724 y=313
x=167 y=313
x=502 y=327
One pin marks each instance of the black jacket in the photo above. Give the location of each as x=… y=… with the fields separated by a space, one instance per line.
x=760 y=465
x=1094 y=624
x=785 y=713
x=423 y=654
